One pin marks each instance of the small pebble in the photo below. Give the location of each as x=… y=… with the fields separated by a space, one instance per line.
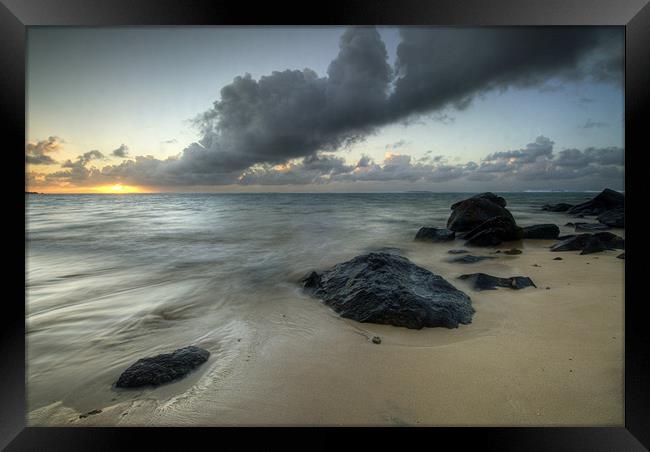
x=81 y=416
x=548 y=288
x=513 y=251
x=557 y=258
x=376 y=340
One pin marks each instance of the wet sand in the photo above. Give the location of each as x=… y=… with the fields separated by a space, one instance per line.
x=536 y=356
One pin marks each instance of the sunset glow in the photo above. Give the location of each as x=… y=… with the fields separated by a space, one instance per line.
x=117 y=189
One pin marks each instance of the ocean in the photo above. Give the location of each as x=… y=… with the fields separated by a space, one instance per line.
x=113 y=278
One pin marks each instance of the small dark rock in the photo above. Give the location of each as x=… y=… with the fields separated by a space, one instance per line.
x=557 y=258
x=457 y=251
x=483 y=281
x=162 y=368
x=376 y=340
x=469 y=259
x=513 y=251
x=541 y=231
x=621 y=256
x=435 y=235
x=390 y=289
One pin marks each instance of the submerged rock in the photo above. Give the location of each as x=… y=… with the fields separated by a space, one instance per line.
x=469 y=259
x=493 y=232
x=588 y=227
x=613 y=217
x=390 y=289
x=482 y=281
x=457 y=251
x=162 y=368
x=560 y=207
x=604 y=201
x=435 y=235
x=541 y=231
x=472 y=212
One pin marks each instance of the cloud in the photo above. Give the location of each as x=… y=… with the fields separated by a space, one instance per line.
x=36 y=153
x=122 y=151
x=170 y=141
x=279 y=126
x=589 y=124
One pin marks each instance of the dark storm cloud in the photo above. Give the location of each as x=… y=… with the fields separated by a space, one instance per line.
x=443 y=66
x=295 y=114
x=37 y=153
x=122 y=151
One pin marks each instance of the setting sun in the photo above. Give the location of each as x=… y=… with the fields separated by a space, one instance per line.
x=117 y=188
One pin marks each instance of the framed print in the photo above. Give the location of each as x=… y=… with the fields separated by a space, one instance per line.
x=402 y=214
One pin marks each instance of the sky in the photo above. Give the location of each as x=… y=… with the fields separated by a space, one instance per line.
x=313 y=109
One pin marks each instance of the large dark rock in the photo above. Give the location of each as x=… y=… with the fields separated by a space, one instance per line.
x=390 y=289
x=560 y=207
x=435 y=235
x=474 y=211
x=162 y=368
x=604 y=201
x=498 y=200
x=493 y=232
x=482 y=281
x=469 y=259
x=571 y=243
x=541 y=231
x=613 y=217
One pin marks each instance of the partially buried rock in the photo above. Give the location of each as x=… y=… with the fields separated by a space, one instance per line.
x=472 y=212
x=390 y=289
x=512 y=251
x=376 y=340
x=457 y=251
x=593 y=245
x=541 y=231
x=571 y=243
x=621 y=256
x=435 y=235
x=493 y=232
x=561 y=207
x=611 y=241
x=482 y=281
x=163 y=368
x=469 y=259
x=557 y=258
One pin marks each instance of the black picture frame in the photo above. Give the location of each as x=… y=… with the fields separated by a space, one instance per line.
x=634 y=15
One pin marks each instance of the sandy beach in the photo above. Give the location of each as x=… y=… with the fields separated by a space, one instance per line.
x=551 y=355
